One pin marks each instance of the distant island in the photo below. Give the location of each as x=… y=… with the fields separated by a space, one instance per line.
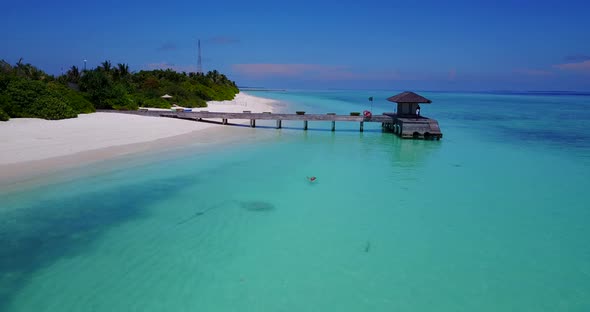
x=26 y=91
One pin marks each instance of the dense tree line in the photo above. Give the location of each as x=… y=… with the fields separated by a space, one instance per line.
x=26 y=91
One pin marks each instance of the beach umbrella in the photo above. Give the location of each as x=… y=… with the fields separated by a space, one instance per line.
x=166 y=96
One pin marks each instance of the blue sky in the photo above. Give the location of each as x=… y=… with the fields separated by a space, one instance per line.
x=419 y=45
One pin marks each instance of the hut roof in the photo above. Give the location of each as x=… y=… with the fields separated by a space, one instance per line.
x=409 y=97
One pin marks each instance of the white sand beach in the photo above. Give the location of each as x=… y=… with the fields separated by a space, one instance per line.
x=25 y=141
x=240 y=103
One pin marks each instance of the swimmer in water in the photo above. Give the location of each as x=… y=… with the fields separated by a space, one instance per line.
x=311 y=179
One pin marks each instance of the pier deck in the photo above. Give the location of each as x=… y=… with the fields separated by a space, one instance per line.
x=413 y=127
x=416 y=127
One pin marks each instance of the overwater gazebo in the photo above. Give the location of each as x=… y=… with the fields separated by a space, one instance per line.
x=407 y=123
x=407 y=103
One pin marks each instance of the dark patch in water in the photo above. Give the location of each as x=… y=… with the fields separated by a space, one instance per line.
x=367 y=247
x=201 y=212
x=195 y=215
x=480 y=117
x=259 y=206
x=255 y=206
x=557 y=137
x=34 y=236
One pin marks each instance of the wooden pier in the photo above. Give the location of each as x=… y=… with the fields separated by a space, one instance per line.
x=406 y=122
x=414 y=128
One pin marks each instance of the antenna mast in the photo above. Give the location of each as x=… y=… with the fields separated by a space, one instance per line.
x=199 y=64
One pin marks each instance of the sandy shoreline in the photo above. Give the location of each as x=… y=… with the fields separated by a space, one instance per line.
x=33 y=147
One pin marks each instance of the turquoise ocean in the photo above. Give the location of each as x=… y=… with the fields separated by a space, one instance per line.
x=494 y=217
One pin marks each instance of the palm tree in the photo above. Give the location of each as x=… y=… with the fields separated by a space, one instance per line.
x=106 y=66
x=215 y=76
x=20 y=68
x=28 y=71
x=5 y=67
x=73 y=74
x=123 y=70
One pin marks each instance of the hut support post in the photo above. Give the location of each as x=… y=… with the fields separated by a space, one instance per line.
x=279 y=124
x=362 y=126
x=333 y=125
x=305 y=125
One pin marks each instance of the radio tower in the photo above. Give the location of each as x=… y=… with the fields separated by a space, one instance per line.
x=199 y=64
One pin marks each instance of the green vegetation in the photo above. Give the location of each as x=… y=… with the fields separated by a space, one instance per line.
x=52 y=108
x=355 y=113
x=188 y=90
x=3 y=115
x=26 y=91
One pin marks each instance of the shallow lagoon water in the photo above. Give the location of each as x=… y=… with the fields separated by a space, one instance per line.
x=494 y=217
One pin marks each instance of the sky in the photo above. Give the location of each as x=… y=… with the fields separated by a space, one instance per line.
x=410 y=45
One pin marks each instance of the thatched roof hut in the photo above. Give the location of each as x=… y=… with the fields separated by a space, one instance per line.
x=408 y=103
x=409 y=97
